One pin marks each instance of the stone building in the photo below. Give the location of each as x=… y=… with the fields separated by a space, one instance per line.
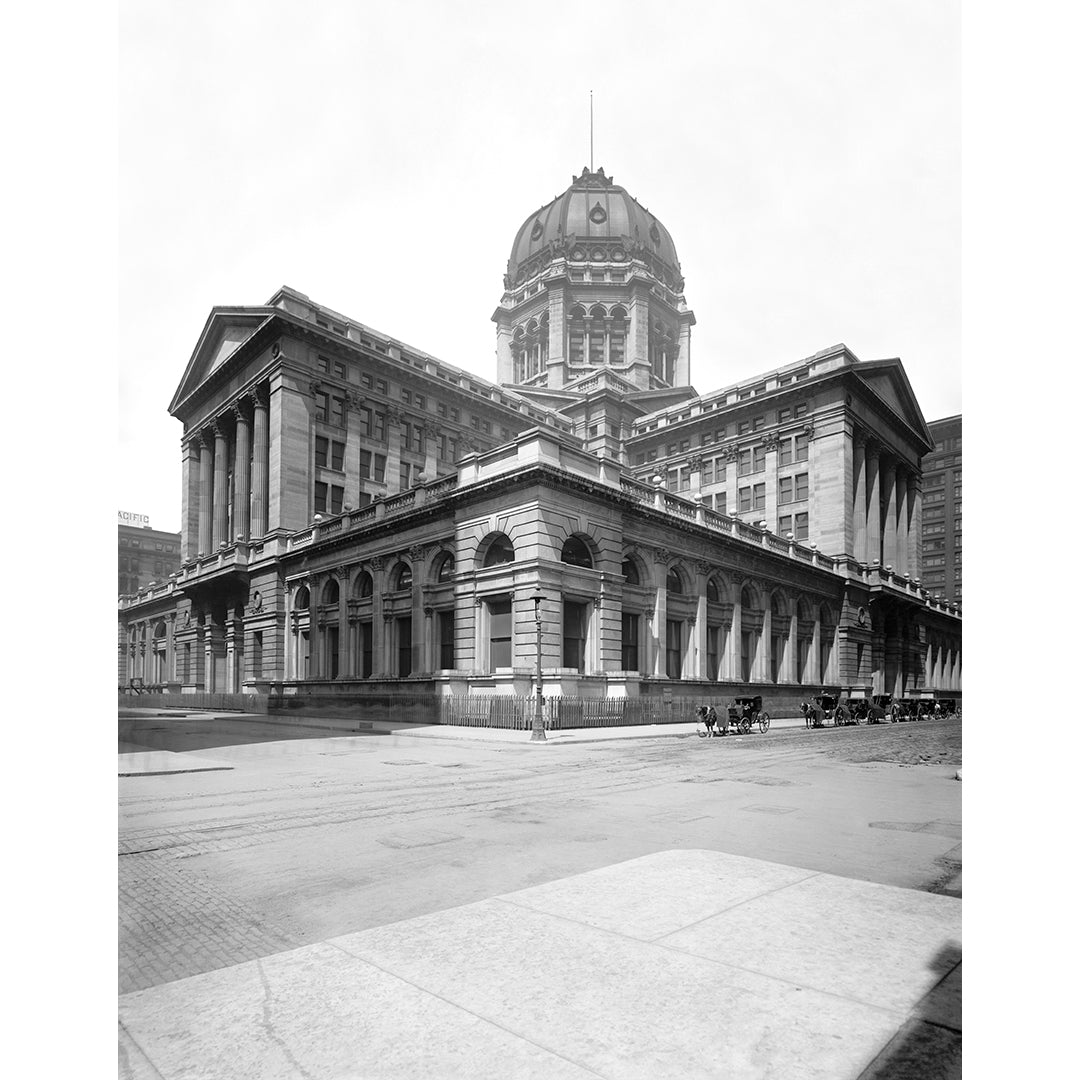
x=145 y=556
x=360 y=516
x=943 y=516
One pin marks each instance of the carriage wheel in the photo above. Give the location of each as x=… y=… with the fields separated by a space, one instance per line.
x=744 y=726
x=763 y=722
x=841 y=717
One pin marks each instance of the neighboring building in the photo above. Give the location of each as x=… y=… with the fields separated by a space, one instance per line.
x=943 y=517
x=145 y=556
x=358 y=515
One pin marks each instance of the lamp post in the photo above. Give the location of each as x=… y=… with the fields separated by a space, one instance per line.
x=538 y=713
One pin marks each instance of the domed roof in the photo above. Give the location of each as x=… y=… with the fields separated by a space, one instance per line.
x=593 y=219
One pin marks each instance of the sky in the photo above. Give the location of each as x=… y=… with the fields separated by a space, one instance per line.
x=803 y=154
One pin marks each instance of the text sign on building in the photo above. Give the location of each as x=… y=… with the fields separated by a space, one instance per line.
x=125 y=517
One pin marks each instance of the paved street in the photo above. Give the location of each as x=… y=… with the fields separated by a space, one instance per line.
x=306 y=839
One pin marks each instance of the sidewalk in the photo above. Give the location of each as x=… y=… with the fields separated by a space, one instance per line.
x=679 y=964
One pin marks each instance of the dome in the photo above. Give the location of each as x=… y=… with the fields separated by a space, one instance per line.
x=594 y=220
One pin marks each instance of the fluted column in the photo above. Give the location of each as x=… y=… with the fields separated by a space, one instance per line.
x=873 y=504
x=858 y=513
x=734 y=642
x=888 y=495
x=260 y=465
x=221 y=484
x=902 y=513
x=242 y=476
x=206 y=493
x=914 y=524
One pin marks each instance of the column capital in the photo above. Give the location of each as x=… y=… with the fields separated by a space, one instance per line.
x=237 y=409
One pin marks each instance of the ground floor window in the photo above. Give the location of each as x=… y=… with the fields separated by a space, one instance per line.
x=257 y=654
x=575 y=618
x=747 y=654
x=446 y=641
x=674 y=649
x=804 y=659
x=776 y=663
x=364 y=643
x=630 y=625
x=404 y=646
x=713 y=636
x=501 y=633
x=333 y=638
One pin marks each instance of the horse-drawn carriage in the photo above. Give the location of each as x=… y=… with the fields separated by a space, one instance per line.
x=745 y=712
x=831 y=707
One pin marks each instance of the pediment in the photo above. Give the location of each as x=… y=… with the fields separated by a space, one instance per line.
x=225 y=331
x=888 y=382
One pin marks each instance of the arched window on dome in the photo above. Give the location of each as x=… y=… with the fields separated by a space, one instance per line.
x=617 y=336
x=597 y=335
x=576 y=335
x=530 y=349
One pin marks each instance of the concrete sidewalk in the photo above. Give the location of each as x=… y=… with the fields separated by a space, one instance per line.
x=679 y=964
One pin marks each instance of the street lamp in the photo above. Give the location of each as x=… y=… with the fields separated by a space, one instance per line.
x=538 y=713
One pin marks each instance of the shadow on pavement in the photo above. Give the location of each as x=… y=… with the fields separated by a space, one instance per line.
x=928 y=1046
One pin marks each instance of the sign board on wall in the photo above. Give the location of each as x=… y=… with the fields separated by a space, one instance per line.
x=125 y=517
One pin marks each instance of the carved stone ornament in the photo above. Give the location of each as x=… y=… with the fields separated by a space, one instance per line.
x=376 y=563
x=416 y=552
x=808 y=430
x=354 y=400
x=771 y=440
x=695 y=463
x=729 y=452
x=314 y=387
x=662 y=555
x=703 y=567
x=256 y=602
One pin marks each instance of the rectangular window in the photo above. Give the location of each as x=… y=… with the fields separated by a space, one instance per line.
x=324 y=365
x=337 y=497
x=745 y=462
x=712 y=652
x=320 y=497
x=785 y=451
x=720 y=502
x=759 y=422
x=706 y=471
x=379 y=471
x=630 y=641
x=446 y=641
x=801 y=410
x=802 y=487
x=404 y=646
x=744 y=426
x=785 y=490
x=802 y=447
x=406 y=470
x=337 y=456
x=365 y=645
x=759 y=496
x=340 y=370
x=759 y=459
x=783 y=416
x=322 y=406
x=744 y=499
x=802 y=526
x=574 y=623
x=337 y=411
x=684 y=478
x=501 y=633
x=674 y=649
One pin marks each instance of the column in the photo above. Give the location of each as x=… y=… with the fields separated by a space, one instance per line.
x=765 y=649
x=859 y=509
x=189 y=539
x=791 y=658
x=733 y=653
x=701 y=634
x=901 y=520
x=242 y=476
x=873 y=504
x=378 y=629
x=343 y=623
x=660 y=622
x=314 y=670
x=260 y=465
x=206 y=490
x=393 y=451
x=815 y=676
x=914 y=525
x=888 y=495
x=221 y=484
x=170 y=647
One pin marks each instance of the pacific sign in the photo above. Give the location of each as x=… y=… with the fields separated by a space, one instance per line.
x=126 y=518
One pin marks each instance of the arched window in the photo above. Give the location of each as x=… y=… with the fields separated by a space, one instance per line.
x=402 y=578
x=363 y=587
x=499 y=551
x=576 y=552
x=630 y=572
x=331 y=592
x=712 y=590
x=444 y=571
x=303 y=598
x=674 y=581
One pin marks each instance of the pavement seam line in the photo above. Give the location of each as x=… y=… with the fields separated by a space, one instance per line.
x=661 y=944
x=455 y=1005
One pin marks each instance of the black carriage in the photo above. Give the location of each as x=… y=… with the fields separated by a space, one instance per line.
x=826 y=707
x=745 y=712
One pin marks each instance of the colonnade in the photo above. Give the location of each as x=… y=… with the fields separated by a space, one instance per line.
x=887 y=508
x=230 y=498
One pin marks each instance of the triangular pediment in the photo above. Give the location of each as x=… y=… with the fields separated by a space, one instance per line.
x=225 y=331
x=888 y=381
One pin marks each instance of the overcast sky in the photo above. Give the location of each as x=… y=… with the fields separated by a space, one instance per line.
x=804 y=155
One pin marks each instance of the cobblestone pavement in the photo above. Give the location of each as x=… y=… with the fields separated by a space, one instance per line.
x=174 y=921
